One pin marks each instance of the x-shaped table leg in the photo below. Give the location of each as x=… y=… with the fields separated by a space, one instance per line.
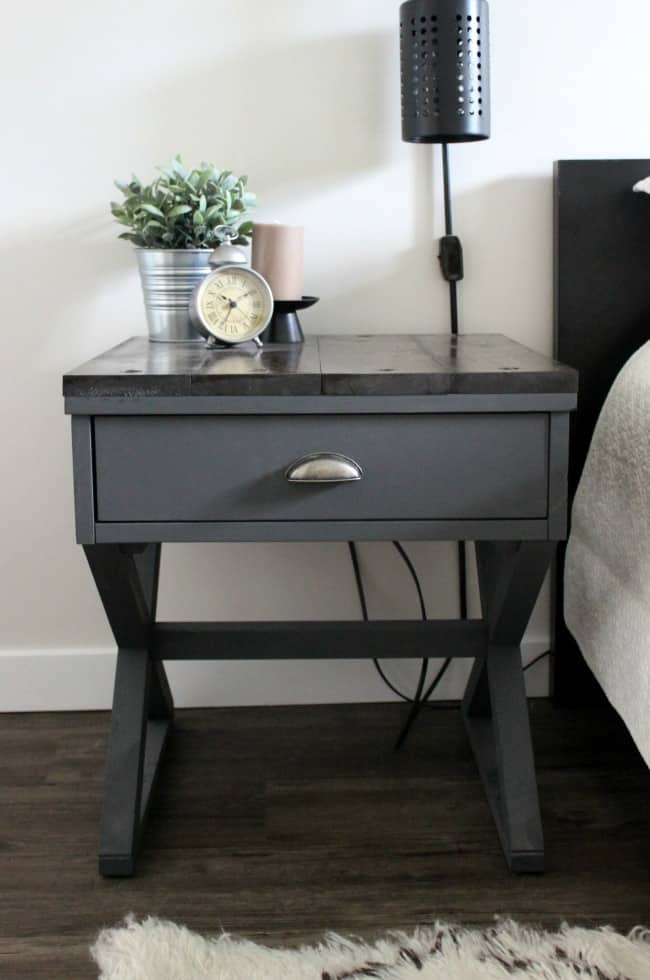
x=494 y=708
x=127 y=580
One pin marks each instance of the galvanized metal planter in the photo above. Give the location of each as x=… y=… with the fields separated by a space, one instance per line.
x=168 y=279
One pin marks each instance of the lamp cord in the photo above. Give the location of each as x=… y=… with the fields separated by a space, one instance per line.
x=419 y=700
x=453 y=309
x=421 y=696
x=449 y=230
x=446 y=183
x=424 y=666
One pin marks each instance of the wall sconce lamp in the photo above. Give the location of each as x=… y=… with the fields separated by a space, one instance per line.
x=445 y=77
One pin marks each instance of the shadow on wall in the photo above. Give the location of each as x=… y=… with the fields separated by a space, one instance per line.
x=294 y=116
x=310 y=113
x=77 y=265
x=405 y=294
x=307 y=114
x=506 y=230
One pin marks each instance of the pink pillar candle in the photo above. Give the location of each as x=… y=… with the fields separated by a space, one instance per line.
x=277 y=255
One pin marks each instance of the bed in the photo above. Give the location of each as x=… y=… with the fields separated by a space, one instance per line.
x=602 y=294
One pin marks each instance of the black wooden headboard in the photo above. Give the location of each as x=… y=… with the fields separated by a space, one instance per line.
x=602 y=315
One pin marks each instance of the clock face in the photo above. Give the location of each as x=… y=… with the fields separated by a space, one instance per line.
x=234 y=304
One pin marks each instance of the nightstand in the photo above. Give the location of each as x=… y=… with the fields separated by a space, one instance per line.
x=341 y=438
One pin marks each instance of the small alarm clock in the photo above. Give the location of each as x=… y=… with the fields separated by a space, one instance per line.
x=233 y=304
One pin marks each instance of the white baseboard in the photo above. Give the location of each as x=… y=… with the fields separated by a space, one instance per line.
x=82 y=680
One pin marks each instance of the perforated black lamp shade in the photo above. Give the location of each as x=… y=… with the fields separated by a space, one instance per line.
x=445 y=71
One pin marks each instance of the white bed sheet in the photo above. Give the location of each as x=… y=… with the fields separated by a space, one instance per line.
x=607 y=575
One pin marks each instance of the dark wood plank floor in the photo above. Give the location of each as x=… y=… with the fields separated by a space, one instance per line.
x=280 y=823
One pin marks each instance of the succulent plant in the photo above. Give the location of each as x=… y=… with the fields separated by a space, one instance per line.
x=185 y=208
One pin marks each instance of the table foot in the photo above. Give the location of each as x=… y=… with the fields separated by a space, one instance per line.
x=127 y=580
x=501 y=742
x=136 y=744
x=495 y=709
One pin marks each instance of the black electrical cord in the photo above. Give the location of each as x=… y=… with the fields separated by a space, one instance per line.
x=536 y=660
x=453 y=312
x=423 y=700
x=462 y=581
x=419 y=699
x=414 y=575
x=364 y=612
x=418 y=704
x=424 y=667
x=421 y=696
x=449 y=230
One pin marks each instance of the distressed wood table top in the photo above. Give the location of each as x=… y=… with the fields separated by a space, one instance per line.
x=377 y=364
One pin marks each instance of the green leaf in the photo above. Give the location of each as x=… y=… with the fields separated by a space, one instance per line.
x=178 y=210
x=202 y=203
x=198 y=218
x=152 y=209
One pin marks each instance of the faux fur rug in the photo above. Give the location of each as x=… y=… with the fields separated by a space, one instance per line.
x=156 y=950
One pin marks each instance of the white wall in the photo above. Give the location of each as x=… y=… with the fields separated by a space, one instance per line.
x=302 y=96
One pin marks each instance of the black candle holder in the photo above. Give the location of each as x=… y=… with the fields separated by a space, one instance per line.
x=284 y=327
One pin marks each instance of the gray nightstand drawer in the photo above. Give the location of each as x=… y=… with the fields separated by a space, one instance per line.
x=232 y=468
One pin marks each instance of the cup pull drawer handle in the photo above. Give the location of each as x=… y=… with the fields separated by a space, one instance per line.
x=324 y=468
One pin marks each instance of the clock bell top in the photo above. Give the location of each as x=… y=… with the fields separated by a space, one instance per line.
x=226 y=253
